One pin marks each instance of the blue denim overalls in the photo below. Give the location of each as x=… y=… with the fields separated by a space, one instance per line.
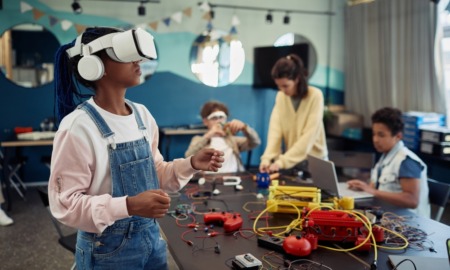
x=130 y=243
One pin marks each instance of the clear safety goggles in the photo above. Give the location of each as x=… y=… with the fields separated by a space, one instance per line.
x=217 y=115
x=129 y=46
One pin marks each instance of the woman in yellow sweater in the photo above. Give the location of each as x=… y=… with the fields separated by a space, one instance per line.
x=296 y=122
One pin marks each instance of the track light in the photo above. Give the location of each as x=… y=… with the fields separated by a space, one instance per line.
x=76 y=7
x=286 y=18
x=141 y=9
x=269 y=17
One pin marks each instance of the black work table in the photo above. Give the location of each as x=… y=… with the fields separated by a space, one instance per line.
x=201 y=254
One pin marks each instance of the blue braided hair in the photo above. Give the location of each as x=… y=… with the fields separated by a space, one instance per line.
x=68 y=93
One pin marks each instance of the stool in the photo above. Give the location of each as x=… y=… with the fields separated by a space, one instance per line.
x=13 y=178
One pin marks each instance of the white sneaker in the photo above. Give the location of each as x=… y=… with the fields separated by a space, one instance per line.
x=4 y=219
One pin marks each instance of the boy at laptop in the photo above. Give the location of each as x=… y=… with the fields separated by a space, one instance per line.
x=400 y=176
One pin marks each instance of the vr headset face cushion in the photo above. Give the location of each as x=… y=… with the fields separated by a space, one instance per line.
x=112 y=55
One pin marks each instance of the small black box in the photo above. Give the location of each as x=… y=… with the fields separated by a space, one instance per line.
x=435 y=134
x=437 y=149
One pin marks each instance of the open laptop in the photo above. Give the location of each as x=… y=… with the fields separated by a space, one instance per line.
x=324 y=177
x=419 y=262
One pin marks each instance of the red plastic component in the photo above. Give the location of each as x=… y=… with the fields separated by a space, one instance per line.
x=231 y=221
x=297 y=246
x=332 y=225
x=378 y=233
x=313 y=240
x=365 y=247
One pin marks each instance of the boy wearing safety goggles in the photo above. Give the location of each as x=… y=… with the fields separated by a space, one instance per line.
x=221 y=135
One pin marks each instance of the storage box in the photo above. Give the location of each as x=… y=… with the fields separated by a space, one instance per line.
x=421 y=118
x=344 y=123
x=437 y=149
x=435 y=134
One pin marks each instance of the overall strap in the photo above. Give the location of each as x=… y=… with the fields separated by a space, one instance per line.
x=137 y=115
x=97 y=118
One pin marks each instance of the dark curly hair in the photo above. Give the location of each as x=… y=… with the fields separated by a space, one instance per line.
x=291 y=67
x=390 y=117
x=212 y=106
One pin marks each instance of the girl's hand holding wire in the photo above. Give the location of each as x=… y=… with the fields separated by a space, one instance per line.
x=150 y=203
x=207 y=159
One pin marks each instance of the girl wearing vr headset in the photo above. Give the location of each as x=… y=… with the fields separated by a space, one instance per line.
x=108 y=178
x=296 y=119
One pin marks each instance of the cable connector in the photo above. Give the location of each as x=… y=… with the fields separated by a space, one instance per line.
x=373 y=266
x=212 y=234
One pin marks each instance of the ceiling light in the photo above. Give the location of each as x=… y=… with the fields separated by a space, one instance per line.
x=76 y=7
x=141 y=9
x=286 y=18
x=269 y=17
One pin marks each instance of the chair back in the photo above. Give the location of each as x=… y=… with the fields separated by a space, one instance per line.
x=439 y=193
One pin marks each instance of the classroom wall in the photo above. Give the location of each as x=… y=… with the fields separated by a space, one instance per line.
x=173 y=94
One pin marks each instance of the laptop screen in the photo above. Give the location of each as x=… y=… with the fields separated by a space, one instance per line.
x=324 y=177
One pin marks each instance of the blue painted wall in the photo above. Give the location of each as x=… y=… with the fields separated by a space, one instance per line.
x=173 y=94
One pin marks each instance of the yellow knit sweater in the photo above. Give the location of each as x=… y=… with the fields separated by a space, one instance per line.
x=301 y=131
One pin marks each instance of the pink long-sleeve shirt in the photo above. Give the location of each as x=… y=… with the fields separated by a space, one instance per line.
x=80 y=179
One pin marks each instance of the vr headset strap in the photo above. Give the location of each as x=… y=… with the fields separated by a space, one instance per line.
x=94 y=46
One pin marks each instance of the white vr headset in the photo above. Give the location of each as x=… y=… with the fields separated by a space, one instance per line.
x=128 y=46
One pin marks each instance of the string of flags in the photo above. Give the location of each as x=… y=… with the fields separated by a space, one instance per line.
x=167 y=21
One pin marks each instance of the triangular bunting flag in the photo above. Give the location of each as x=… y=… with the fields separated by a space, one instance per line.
x=207 y=16
x=177 y=17
x=209 y=26
x=142 y=25
x=65 y=24
x=187 y=12
x=166 y=21
x=205 y=7
x=52 y=20
x=24 y=7
x=37 y=14
x=153 y=25
x=227 y=38
x=233 y=30
x=80 y=28
x=235 y=20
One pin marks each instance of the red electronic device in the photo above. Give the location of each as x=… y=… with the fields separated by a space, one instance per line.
x=231 y=221
x=323 y=225
x=336 y=226
x=297 y=246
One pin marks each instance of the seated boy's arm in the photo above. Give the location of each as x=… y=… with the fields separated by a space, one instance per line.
x=250 y=141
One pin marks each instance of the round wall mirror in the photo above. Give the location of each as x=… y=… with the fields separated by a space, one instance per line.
x=27 y=55
x=309 y=54
x=217 y=58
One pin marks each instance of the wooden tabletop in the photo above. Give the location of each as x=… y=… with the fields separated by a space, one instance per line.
x=19 y=143
x=182 y=131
